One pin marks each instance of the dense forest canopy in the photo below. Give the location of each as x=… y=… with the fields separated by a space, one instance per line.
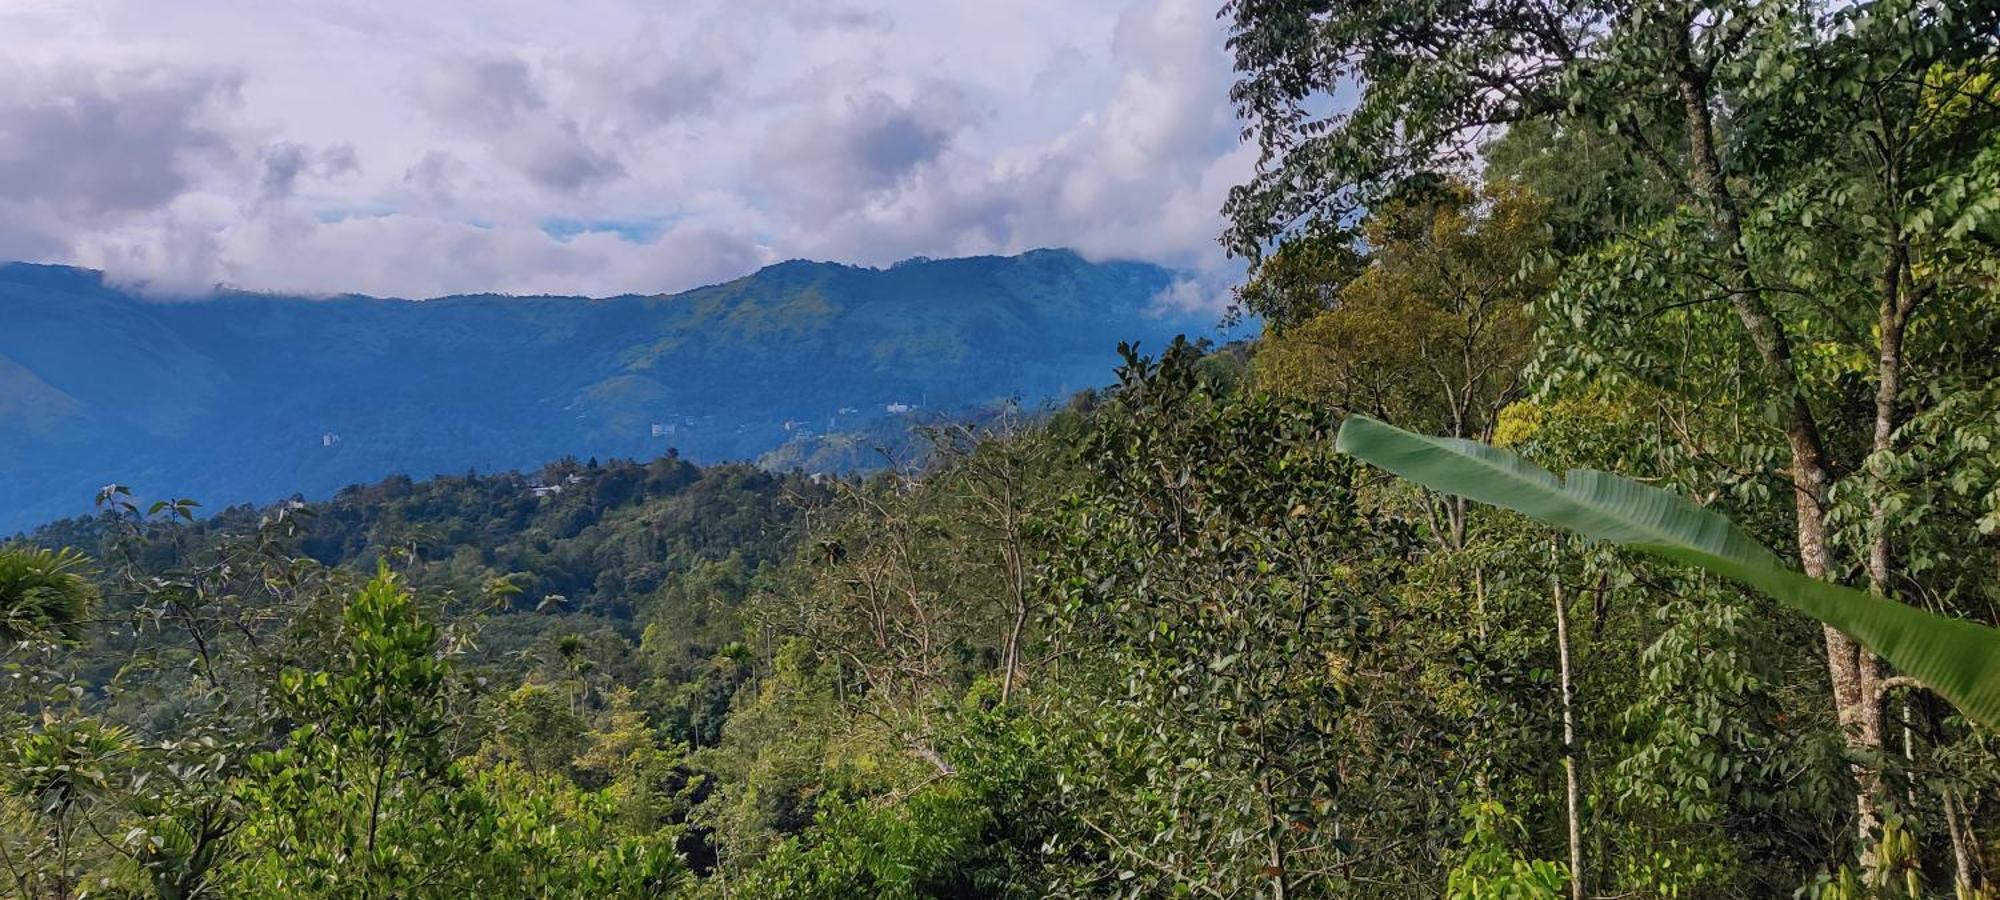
x=1169 y=640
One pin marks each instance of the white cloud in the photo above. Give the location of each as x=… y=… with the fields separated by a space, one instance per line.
x=364 y=145
x=84 y=149
x=498 y=102
x=856 y=150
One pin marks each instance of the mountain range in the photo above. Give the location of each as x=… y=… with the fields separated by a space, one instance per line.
x=244 y=397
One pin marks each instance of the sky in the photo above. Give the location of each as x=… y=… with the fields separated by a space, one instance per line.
x=604 y=146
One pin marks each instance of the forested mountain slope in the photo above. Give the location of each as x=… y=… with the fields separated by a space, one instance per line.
x=1730 y=270
x=246 y=397
x=596 y=554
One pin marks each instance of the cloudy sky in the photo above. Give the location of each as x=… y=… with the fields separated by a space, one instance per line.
x=602 y=146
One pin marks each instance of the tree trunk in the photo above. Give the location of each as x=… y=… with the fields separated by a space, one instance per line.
x=1274 y=842
x=1846 y=662
x=1014 y=557
x=1892 y=321
x=1966 y=878
x=1011 y=654
x=1276 y=869
x=1479 y=599
x=1571 y=793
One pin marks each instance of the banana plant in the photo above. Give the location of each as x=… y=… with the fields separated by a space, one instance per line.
x=1956 y=658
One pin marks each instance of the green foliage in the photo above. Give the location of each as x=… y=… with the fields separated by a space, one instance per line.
x=44 y=593
x=1300 y=281
x=1237 y=648
x=1958 y=659
x=539 y=730
x=59 y=779
x=364 y=796
x=1169 y=641
x=927 y=845
x=788 y=745
x=1220 y=569
x=549 y=838
x=368 y=797
x=1489 y=866
x=1434 y=327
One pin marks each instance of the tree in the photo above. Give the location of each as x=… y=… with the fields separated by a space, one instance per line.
x=1300 y=280
x=364 y=796
x=60 y=781
x=1957 y=658
x=1435 y=328
x=1732 y=107
x=1219 y=586
x=538 y=730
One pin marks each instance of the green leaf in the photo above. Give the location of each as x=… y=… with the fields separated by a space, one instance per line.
x=1958 y=659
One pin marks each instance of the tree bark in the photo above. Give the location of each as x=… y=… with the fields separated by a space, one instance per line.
x=1966 y=878
x=1017 y=594
x=1571 y=793
x=1892 y=322
x=1011 y=656
x=1274 y=840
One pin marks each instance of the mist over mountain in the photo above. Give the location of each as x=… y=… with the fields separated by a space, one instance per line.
x=253 y=397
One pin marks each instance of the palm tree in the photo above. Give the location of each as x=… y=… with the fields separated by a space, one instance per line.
x=43 y=594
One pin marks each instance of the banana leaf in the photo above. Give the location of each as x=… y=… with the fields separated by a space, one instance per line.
x=1957 y=658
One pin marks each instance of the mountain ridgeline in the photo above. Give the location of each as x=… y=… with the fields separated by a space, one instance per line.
x=251 y=397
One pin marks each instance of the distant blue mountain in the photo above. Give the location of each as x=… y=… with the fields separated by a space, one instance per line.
x=252 y=397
